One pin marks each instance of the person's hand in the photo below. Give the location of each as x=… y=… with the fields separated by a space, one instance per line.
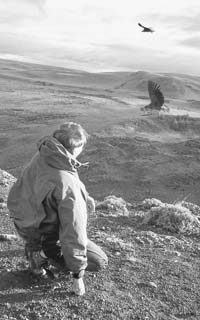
x=78 y=287
x=90 y=205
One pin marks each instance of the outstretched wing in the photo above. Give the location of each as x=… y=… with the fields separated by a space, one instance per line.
x=155 y=94
x=139 y=24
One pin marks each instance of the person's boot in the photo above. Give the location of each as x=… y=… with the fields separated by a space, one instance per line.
x=38 y=262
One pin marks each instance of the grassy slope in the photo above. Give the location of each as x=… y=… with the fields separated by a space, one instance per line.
x=151 y=275
x=36 y=99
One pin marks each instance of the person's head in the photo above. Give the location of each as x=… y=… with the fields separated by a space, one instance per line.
x=72 y=136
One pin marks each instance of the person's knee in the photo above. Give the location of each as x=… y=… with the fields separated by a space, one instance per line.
x=101 y=263
x=97 y=259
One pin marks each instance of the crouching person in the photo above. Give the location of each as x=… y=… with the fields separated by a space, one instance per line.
x=49 y=203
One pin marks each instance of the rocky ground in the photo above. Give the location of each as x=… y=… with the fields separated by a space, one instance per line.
x=153 y=272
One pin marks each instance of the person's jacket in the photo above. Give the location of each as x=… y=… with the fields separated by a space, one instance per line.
x=49 y=193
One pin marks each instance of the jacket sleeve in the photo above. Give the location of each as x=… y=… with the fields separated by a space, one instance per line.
x=72 y=232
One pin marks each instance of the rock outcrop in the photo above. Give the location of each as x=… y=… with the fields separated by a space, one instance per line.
x=6 y=182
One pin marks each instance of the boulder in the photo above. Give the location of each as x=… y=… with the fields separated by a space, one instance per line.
x=6 y=182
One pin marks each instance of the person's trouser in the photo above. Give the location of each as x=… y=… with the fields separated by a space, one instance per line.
x=96 y=258
x=35 y=242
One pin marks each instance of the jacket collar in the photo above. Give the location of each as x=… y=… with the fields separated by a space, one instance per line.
x=56 y=156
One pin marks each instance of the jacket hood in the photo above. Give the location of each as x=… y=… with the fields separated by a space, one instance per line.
x=56 y=156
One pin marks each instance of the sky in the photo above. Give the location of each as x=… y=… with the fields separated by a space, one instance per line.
x=103 y=35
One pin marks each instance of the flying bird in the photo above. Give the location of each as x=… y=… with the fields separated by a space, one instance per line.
x=145 y=29
x=157 y=98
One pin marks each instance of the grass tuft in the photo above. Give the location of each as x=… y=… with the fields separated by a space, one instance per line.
x=174 y=218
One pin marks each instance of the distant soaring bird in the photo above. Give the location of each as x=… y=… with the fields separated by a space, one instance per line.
x=156 y=97
x=145 y=29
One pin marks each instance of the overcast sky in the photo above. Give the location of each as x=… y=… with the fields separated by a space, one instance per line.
x=103 y=35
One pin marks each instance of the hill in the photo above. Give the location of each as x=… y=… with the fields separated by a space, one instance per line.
x=174 y=86
x=131 y=155
x=153 y=268
x=177 y=86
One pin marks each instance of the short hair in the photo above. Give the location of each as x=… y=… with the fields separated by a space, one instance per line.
x=71 y=135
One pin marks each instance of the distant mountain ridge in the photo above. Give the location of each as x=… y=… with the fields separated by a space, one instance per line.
x=174 y=86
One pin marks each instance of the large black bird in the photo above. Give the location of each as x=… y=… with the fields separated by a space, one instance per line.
x=157 y=98
x=145 y=29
